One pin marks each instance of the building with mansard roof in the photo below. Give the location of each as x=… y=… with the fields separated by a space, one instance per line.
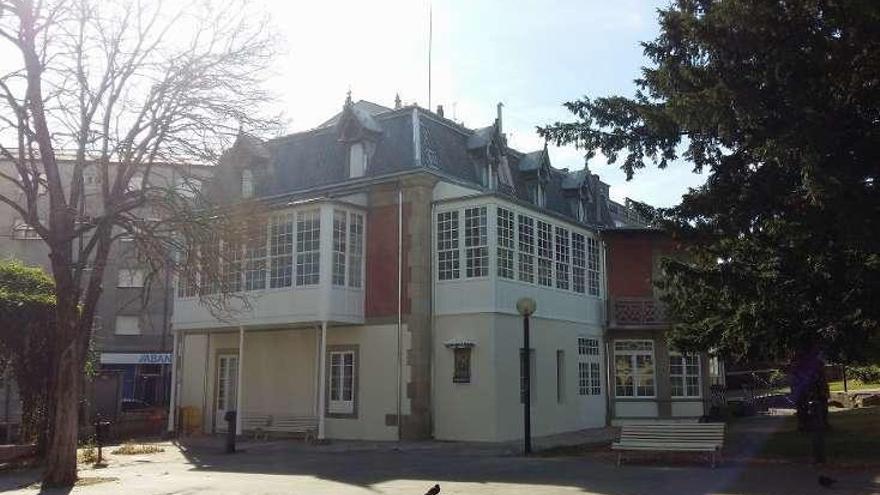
x=381 y=284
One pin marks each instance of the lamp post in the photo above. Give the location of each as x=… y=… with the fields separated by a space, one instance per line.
x=526 y=306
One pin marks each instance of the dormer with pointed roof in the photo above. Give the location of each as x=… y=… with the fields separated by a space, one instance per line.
x=358 y=130
x=535 y=169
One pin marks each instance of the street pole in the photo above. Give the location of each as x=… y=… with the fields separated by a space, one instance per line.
x=527 y=395
x=526 y=307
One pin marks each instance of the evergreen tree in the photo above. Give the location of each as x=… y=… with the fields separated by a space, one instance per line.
x=778 y=103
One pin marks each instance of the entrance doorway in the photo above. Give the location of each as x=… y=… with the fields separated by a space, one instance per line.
x=227 y=388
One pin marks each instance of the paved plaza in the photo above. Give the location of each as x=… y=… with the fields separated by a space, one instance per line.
x=287 y=467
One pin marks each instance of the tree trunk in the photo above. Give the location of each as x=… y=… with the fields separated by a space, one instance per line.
x=64 y=394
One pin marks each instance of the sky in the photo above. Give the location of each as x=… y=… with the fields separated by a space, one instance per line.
x=530 y=55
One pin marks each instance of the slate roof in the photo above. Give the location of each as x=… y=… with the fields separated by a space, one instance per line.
x=319 y=157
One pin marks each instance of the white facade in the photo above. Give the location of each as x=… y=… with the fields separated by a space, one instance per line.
x=274 y=342
x=475 y=306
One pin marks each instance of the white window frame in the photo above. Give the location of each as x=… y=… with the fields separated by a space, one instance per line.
x=589 y=371
x=562 y=247
x=233 y=266
x=505 y=226
x=637 y=377
x=476 y=242
x=355 y=249
x=132 y=325
x=255 y=269
x=526 y=248
x=340 y=247
x=308 y=248
x=544 y=265
x=282 y=239
x=594 y=273
x=357 y=160
x=448 y=255
x=579 y=263
x=337 y=401
x=130 y=277
x=683 y=374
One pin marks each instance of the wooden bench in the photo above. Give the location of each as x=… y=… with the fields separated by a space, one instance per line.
x=307 y=425
x=257 y=424
x=671 y=437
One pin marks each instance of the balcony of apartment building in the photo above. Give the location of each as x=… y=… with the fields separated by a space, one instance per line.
x=636 y=313
x=299 y=266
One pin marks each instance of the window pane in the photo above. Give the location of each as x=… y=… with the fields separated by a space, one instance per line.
x=562 y=258
x=340 y=238
x=526 y=249
x=579 y=263
x=593 y=265
x=281 y=251
x=447 y=245
x=505 y=231
x=308 y=242
x=255 y=258
x=545 y=254
x=476 y=242
x=356 y=249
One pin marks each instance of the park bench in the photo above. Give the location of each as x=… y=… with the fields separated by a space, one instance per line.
x=671 y=437
x=257 y=424
x=261 y=425
x=307 y=425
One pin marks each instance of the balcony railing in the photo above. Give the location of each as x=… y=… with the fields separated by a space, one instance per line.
x=637 y=312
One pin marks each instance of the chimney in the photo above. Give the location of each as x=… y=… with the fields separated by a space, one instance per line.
x=440 y=110
x=498 y=120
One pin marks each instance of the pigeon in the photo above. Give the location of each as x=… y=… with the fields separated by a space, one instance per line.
x=434 y=490
x=826 y=481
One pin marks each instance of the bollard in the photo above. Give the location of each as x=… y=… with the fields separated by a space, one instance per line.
x=230 y=431
x=100 y=425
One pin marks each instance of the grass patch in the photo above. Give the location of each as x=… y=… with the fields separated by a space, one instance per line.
x=853 y=385
x=854 y=437
x=131 y=448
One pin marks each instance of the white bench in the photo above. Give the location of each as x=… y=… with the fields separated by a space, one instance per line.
x=671 y=437
x=260 y=425
x=307 y=425
x=257 y=424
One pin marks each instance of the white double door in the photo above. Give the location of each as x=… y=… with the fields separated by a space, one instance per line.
x=227 y=388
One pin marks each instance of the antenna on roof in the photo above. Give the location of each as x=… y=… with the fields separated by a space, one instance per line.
x=430 y=43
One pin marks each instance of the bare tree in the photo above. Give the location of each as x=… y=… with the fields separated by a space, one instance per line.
x=120 y=93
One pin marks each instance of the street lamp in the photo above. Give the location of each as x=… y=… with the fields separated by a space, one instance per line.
x=526 y=306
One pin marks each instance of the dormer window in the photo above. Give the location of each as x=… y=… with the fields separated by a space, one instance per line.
x=536 y=194
x=357 y=160
x=247 y=184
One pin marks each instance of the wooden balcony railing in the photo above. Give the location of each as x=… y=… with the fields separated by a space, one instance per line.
x=636 y=312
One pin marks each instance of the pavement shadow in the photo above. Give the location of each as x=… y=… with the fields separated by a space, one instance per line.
x=366 y=468
x=28 y=478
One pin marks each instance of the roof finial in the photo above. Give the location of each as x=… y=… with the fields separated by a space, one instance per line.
x=348 y=97
x=397 y=102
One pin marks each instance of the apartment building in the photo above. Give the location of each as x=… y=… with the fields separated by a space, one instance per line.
x=132 y=327
x=379 y=284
